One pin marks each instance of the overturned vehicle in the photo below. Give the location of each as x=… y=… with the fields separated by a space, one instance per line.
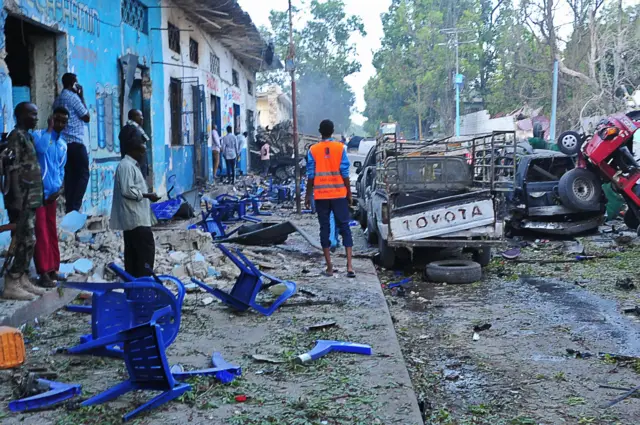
x=537 y=202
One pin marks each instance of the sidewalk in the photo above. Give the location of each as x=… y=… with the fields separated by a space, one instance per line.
x=337 y=389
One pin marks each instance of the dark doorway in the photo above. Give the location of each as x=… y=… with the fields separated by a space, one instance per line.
x=236 y=119
x=216 y=113
x=32 y=64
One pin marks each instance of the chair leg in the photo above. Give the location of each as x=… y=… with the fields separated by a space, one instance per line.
x=159 y=400
x=110 y=394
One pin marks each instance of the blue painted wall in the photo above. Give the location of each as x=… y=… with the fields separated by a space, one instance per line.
x=94 y=38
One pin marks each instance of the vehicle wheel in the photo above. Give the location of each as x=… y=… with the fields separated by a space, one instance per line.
x=387 y=254
x=631 y=220
x=372 y=236
x=580 y=189
x=570 y=143
x=454 y=271
x=362 y=217
x=482 y=256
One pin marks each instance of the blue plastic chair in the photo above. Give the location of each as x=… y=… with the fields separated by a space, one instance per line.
x=87 y=308
x=57 y=392
x=113 y=311
x=146 y=361
x=248 y=285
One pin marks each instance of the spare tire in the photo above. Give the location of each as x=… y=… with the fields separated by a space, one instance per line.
x=454 y=271
x=580 y=190
x=570 y=143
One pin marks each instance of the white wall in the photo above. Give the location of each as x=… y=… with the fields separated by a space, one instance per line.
x=217 y=85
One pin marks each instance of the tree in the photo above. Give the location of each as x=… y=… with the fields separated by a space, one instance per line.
x=325 y=56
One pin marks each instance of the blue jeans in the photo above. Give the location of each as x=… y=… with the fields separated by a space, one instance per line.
x=340 y=210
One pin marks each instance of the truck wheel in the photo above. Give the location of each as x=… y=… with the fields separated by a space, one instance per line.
x=372 y=236
x=570 y=143
x=482 y=256
x=387 y=254
x=631 y=220
x=362 y=217
x=580 y=190
x=454 y=271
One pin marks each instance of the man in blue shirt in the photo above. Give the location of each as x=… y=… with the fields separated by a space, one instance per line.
x=77 y=168
x=51 y=149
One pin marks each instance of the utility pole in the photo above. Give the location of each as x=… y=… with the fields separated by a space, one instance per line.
x=291 y=67
x=459 y=78
x=554 y=103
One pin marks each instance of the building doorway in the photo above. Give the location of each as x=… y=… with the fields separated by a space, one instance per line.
x=33 y=68
x=216 y=113
x=237 y=127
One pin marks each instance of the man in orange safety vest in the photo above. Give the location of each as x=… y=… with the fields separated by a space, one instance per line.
x=328 y=180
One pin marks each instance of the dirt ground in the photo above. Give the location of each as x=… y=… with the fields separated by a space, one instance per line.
x=525 y=369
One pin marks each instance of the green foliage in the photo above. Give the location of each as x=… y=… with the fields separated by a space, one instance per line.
x=325 y=56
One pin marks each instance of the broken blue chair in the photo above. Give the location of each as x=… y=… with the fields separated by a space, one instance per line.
x=146 y=361
x=120 y=306
x=54 y=393
x=248 y=285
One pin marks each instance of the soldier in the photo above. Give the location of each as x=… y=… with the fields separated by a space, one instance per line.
x=25 y=195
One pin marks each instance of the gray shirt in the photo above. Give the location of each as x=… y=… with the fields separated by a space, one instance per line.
x=230 y=148
x=130 y=209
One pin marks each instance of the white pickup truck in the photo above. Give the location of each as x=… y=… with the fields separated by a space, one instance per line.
x=426 y=200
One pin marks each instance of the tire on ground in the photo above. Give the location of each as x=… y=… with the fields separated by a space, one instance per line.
x=372 y=236
x=570 y=143
x=387 y=254
x=580 y=189
x=454 y=271
x=362 y=217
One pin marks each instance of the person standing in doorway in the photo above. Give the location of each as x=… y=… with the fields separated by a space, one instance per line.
x=132 y=134
x=215 y=149
x=328 y=180
x=265 y=158
x=25 y=196
x=52 y=156
x=230 y=152
x=131 y=212
x=77 y=168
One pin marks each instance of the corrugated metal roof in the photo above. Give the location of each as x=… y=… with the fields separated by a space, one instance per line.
x=227 y=22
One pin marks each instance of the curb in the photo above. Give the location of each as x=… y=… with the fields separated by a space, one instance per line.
x=22 y=312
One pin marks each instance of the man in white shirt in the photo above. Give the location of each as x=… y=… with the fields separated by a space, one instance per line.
x=131 y=212
x=231 y=153
x=215 y=148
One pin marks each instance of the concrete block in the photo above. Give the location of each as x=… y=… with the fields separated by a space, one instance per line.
x=17 y=313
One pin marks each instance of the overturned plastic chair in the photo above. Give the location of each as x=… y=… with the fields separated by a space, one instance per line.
x=146 y=361
x=248 y=285
x=119 y=271
x=120 y=306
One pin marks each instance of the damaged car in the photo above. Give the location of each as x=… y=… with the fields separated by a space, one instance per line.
x=536 y=204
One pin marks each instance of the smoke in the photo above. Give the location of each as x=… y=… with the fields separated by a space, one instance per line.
x=321 y=97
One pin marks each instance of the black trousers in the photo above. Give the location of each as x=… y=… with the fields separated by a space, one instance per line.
x=139 y=250
x=231 y=169
x=76 y=176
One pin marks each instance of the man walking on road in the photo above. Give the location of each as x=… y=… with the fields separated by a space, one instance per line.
x=77 y=168
x=131 y=212
x=328 y=180
x=215 y=149
x=24 y=197
x=231 y=152
x=52 y=156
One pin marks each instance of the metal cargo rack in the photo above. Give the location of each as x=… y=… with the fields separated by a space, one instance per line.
x=491 y=157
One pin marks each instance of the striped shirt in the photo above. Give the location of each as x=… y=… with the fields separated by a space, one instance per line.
x=74 y=132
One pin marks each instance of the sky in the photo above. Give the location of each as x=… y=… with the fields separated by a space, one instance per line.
x=370 y=15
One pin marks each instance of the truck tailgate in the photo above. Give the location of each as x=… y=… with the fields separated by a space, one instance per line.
x=439 y=220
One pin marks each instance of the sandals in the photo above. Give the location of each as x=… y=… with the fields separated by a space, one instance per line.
x=351 y=275
x=326 y=274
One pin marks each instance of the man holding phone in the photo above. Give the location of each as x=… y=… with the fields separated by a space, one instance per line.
x=131 y=212
x=76 y=176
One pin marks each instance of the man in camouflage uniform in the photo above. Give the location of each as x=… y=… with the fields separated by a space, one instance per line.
x=26 y=193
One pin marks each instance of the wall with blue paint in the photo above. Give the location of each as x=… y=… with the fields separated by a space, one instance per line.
x=92 y=38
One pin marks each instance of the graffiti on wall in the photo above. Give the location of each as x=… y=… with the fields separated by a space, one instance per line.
x=70 y=12
x=212 y=83
x=227 y=109
x=108 y=118
x=101 y=186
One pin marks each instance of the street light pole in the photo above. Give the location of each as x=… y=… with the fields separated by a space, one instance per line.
x=294 y=109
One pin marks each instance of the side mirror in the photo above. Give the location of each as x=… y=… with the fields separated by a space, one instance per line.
x=357 y=164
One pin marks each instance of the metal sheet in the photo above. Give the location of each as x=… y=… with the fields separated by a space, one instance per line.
x=562 y=228
x=442 y=221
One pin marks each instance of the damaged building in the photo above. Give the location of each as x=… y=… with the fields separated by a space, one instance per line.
x=185 y=64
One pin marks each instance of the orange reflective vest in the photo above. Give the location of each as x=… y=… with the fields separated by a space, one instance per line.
x=328 y=182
